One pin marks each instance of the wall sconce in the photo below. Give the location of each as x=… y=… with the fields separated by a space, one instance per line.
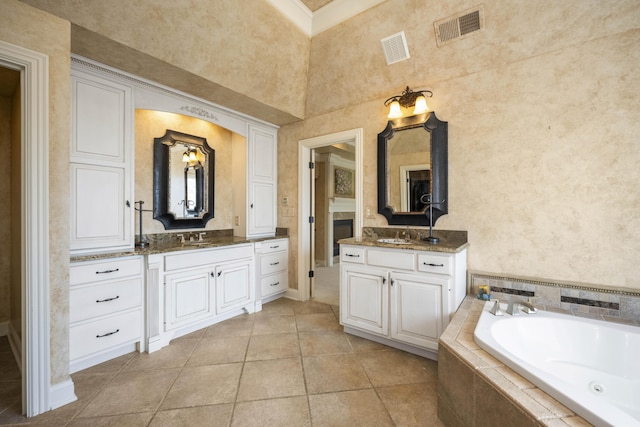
x=189 y=155
x=409 y=98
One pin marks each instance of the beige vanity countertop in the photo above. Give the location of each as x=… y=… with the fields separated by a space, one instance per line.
x=175 y=246
x=450 y=241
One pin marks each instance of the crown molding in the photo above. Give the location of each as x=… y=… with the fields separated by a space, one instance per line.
x=328 y=16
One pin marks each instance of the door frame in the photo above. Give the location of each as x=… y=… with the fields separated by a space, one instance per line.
x=34 y=185
x=305 y=148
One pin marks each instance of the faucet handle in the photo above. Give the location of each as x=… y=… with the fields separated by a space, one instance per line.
x=200 y=235
x=496 y=310
x=181 y=236
x=513 y=308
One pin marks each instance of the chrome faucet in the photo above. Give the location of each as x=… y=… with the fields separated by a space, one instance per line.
x=513 y=308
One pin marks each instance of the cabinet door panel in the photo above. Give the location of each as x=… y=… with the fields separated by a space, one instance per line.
x=233 y=286
x=262 y=209
x=263 y=155
x=416 y=309
x=364 y=300
x=188 y=298
x=98 y=206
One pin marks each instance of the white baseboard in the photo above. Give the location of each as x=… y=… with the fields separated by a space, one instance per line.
x=62 y=394
x=293 y=294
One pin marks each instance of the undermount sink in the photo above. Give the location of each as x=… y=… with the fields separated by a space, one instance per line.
x=394 y=241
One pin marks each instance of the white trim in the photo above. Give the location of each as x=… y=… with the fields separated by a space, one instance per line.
x=36 y=352
x=304 y=199
x=62 y=394
x=328 y=16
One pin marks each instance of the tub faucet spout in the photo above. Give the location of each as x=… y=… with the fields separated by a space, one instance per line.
x=514 y=307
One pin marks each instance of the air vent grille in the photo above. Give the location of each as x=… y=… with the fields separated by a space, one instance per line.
x=459 y=26
x=395 y=48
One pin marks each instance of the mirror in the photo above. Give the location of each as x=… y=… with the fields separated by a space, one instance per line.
x=183 y=180
x=413 y=163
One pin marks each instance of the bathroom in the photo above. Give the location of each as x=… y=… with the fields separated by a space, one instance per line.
x=541 y=106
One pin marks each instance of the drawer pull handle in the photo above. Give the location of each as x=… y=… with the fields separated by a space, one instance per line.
x=107 y=271
x=275 y=284
x=274 y=247
x=353 y=256
x=108 y=299
x=430 y=264
x=275 y=263
x=108 y=333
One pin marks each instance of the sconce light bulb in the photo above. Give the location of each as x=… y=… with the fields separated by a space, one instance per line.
x=192 y=156
x=394 y=110
x=421 y=105
x=185 y=157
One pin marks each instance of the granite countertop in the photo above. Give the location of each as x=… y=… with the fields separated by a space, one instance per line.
x=159 y=246
x=450 y=241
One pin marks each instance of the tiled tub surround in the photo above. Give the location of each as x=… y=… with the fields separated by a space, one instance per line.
x=616 y=305
x=475 y=389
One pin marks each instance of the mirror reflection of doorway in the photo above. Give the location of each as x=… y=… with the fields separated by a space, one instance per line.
x=334 y=215
x=415 y=184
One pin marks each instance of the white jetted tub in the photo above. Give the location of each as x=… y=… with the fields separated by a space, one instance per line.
x=590 y=366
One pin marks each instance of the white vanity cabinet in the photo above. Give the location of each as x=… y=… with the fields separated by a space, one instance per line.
x=400 y=297
x=101 y=164
x=105 y=310
x=272 y=269
x=197 y=288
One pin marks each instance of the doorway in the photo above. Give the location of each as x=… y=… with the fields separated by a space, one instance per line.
x=31 y=240
x=330 y=189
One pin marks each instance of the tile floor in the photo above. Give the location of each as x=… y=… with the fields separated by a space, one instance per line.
x=289 y=365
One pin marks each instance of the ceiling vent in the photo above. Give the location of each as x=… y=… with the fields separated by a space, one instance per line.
x=459 y=26
x=395 y=48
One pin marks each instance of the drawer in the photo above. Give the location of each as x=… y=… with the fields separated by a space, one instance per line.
x=115 y=268
x=402 y=260
x=91 y=337
x=275 y=262
x=274 y=283
x=86 y=302
x=434 y=263
x=206 y=257
x=274 y=246
x=352 y=254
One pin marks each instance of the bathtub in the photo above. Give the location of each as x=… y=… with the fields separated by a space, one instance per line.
x=590 y=366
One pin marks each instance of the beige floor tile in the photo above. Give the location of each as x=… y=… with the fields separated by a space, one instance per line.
x=394 y=367
x=411 y=405
x=279 y=307
x=8 y=367
x=274 y=346
x=240 y=326
x=174 y=355
x=287 y=412
x=212 y=350
x=132 y=420
x=323 y=342
x=268 y=379
x=336 y=372
x=204 y=385
x=9 y=393
x=138 y=391
x=205 y=416
x=348 y=408
x=308 y=307
x=274 y=325
x=317 y=322
x=361 y=345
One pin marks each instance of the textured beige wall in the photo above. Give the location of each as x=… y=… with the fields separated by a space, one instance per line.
x=5 y=196
x=543 y=113
x=243 y=55
x=33 y=29
x=154 y=124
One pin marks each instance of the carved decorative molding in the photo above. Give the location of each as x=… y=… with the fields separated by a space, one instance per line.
x=198 y=111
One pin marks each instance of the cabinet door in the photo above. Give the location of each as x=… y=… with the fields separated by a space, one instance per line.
x=416 y=309
x=262 y=177
x=188 y=298
x=100 y=216
x=233 y=285
x=364 y=299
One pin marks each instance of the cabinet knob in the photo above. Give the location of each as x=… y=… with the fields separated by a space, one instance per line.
x=251 y=205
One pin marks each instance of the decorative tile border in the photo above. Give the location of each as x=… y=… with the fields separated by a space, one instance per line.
x=581 y=300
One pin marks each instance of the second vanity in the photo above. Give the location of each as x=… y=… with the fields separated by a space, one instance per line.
x=142 y=300
x=402 y=293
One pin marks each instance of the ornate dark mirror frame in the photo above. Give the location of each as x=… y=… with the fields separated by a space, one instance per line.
x=161 y=152
x=439 y=169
